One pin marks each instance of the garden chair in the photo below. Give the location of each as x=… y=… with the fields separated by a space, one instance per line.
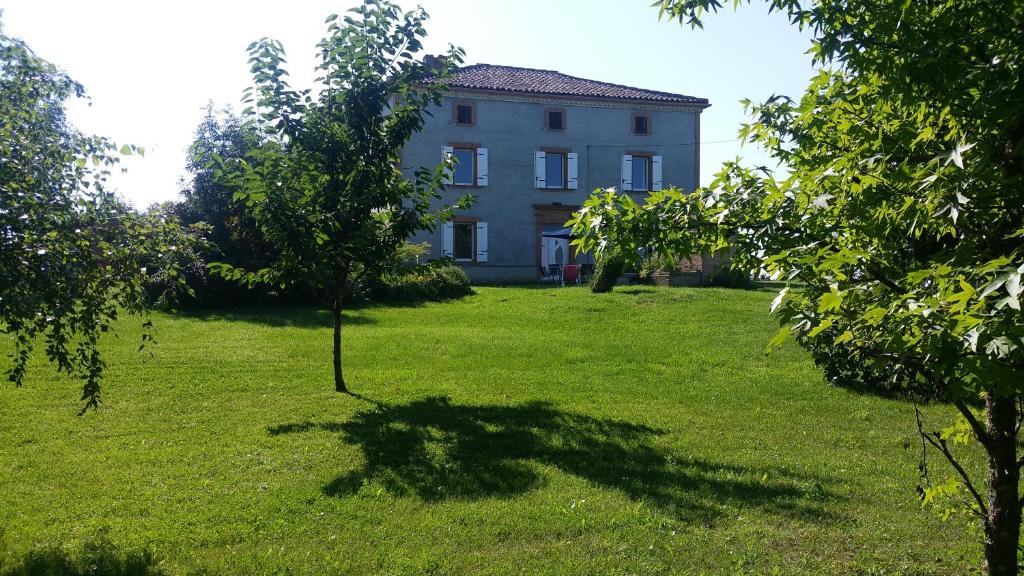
x=547 y=274
x=571 y=273
x=555 y=271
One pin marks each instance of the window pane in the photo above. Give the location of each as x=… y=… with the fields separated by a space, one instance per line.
x=554 y=170
x=463 y=241
x=640 y=172
x=464 y=114
x=464 y=167
x=555 y=120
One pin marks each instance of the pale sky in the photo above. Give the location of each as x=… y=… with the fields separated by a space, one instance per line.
x=149 y=68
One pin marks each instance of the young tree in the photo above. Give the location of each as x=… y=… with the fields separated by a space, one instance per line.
x=72 y=255
x=901 y=218
x=325 y=184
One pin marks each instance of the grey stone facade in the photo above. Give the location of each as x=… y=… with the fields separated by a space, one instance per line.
x=506 y=133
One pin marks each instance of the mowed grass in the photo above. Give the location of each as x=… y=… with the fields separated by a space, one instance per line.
x=516 y=431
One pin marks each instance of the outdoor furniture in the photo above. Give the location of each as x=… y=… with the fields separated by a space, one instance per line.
x=556 y=272
x=571 y=273
x=547 y=274
x=587 y=259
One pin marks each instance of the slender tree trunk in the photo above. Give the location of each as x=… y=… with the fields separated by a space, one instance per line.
x=339 y=378
x=1002 y=527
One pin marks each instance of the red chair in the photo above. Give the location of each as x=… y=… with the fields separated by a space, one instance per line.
x=571 y=273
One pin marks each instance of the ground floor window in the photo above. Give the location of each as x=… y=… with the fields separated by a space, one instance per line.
x=463 y=241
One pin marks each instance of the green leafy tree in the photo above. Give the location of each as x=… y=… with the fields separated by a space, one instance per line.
x=325 y=185
x=73 y=256
x=901 y=219
x=222 y=135
x=234 y=238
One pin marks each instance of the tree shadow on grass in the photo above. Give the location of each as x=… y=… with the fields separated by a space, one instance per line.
x=635 y=290
x=283 y=317
x=305 y=316
x=436 y=450
x=96 y=558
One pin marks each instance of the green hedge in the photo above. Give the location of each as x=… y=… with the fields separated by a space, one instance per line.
x=439 y=280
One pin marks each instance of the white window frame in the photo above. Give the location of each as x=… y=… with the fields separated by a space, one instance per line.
x=472 y=168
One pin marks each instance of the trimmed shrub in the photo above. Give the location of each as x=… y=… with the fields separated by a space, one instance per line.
x=609 y=267
x=438 y=280
x=731 y=278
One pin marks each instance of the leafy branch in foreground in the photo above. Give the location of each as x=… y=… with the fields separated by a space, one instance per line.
x=901 y=218
x=73 y=256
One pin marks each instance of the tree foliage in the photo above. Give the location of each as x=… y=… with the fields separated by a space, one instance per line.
x=226 y=136
x=324 y=184
x=901 y=218
x=73 y=256
x=234 y=238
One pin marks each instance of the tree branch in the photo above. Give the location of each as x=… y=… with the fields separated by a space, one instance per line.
x=887 y=282
x=979 y=430
x=935 y=440
x=1020 y=416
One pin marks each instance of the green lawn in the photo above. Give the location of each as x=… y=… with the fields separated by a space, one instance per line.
x=517 y=431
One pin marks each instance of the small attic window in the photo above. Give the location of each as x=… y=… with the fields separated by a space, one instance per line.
x=464 y=113
x=641 y=124
x=554 y=119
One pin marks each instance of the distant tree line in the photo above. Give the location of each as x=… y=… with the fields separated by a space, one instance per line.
x=234 y=238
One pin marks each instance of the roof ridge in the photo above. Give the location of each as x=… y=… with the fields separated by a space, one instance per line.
x=513 y=67
x=571 y=85
x=606 y=83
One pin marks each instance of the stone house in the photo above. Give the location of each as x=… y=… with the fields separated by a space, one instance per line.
x=531 y=145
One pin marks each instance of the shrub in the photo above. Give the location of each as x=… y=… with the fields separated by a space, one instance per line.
x=651 y=264
x=609 y=267
x=865 y=369
x=731 y=278
x=437 y=280
x=406 y=257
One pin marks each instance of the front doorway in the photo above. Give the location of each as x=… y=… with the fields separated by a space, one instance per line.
x=553 y=253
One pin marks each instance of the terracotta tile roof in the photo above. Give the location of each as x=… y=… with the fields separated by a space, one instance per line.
x=533 y=81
